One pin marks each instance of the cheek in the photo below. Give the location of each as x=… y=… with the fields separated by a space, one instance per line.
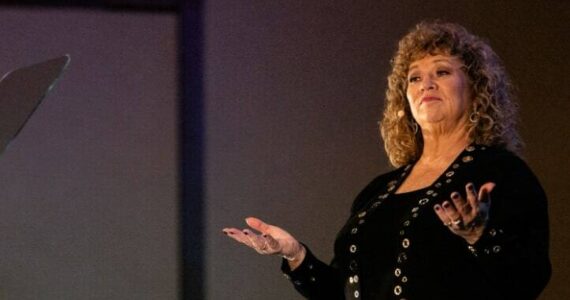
x=465 y=91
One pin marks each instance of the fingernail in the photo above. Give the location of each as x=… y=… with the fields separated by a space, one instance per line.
x=245 y=232
x=225 y=232
x=446 y=204
x=437 y=207
x=454 y=195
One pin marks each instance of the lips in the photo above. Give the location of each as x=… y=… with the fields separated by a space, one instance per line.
x=428 y=99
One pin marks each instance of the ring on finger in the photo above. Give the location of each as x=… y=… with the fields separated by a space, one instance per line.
x=456 y=222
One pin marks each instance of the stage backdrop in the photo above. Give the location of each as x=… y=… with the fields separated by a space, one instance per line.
x=88 y=204
x=293 y=91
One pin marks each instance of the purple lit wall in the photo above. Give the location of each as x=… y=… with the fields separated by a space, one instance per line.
x=89 y=190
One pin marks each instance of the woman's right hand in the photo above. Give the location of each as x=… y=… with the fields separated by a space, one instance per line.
x=269 y=240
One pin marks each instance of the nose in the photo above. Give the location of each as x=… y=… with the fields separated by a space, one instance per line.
x=427 y=84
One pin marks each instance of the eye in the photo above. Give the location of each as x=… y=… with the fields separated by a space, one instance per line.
x=413 y=79
x=442 y=72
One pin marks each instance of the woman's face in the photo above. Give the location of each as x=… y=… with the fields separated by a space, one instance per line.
x=438 y=92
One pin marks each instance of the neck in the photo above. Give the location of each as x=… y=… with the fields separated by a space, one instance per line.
x=443 y=146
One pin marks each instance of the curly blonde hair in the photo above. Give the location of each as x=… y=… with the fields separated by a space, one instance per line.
x=493 y=112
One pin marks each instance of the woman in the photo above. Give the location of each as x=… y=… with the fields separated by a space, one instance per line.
x=462 y=217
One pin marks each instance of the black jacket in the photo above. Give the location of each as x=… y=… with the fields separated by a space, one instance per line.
x=510 y=261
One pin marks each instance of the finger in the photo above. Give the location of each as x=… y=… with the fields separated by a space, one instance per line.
x=485 y=192
x=441 y=215
x=461 y=204
x=230 y=231
x=237 y=235
x=471 y=194
x=485 y=201
x=257 y=242
x=258 y=225
x=452 y=213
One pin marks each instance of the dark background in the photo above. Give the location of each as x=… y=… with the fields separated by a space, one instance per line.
x=277 y=118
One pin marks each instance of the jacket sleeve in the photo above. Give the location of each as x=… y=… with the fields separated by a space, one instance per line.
x=513 y=251
x=317 y=280
x=314 y=279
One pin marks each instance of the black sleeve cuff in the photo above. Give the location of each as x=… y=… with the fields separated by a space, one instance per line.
x=491 y=243
x=305 y=273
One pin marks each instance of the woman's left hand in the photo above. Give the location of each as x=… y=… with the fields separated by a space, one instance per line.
x=467 y=218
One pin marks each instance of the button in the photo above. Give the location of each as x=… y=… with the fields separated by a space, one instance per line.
x=429 y=192
x=415 y=209
x=356 y=294
x=455 y=166
x=354 y=230
x=383 y=196
x=312 y=279
x=404 y=279
x=406 y=223
x=487 y=251
x=355 y=278
x=407 y=167
x=361 y=221
x=297 y=282
x=414 y=215
x=492 y=232
x=402 y=232
x=402 y=257
x=311 y=266
x=397 y=290
x=405 y=243
x=467 y=158
x=353 y=266
x=351 y=280
x=391 y=188
x=449 y=174
x=362 y=214
x=352 y=248
x=448 y=180
x=438 y=184
x=398 y=272
x=423 y=201
x=470 y=148
x=376 y=204
x=496 y=249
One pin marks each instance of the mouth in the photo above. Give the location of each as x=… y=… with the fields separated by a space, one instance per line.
x=429 y=99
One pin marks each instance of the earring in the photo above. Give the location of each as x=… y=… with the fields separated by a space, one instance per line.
x=474 y=117
x=415 y=126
